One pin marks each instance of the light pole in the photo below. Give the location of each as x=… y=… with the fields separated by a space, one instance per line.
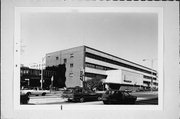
x=42 y=72
x=152 y=63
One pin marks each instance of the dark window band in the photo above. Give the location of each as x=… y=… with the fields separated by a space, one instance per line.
x=96 y=66
x=93 y=56
x=92 y=75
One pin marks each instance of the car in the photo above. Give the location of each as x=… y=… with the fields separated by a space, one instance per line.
x=24 y=98
x=35 y=91
x=81 y=95
x=118 y=97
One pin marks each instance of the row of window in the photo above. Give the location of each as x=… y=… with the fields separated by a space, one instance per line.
x=148 y=77
x=98 y=76
x=36 y=72
x=30 y=72
x=95 y=66
x=48 y=73
x=154 y=83
x=65 y=60
x=146 y=82
x=90 y=55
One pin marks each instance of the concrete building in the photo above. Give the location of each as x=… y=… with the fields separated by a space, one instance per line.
x=94 y=64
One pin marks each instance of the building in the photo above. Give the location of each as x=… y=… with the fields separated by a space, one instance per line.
x=93 y=64
x=37 y=66
x=32 y=77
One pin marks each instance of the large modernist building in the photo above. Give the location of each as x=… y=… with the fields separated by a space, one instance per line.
x=94 y=64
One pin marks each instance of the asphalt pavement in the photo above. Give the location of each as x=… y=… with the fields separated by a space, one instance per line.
x=55 y=98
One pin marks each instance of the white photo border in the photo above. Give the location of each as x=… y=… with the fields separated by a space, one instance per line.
x=20 y=10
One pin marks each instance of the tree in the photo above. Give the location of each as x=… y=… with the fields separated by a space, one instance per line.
x=94 y=83
x=59 y=78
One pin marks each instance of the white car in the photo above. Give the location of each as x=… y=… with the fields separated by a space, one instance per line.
x=35 y=92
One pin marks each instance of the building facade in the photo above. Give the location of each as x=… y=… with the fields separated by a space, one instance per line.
x=94 y=64
x=37 y=66
x=32 y=77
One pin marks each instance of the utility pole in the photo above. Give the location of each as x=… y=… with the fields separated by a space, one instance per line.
x=152 y=63
x=42 y=72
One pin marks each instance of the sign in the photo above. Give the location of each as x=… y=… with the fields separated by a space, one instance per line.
x=52 y=78
x=128 y=81
x=81 y=74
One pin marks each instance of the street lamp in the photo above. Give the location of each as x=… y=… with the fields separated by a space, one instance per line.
x=152 y=63
x=42 y=72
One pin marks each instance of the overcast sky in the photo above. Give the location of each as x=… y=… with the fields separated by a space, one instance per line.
x=132 y=36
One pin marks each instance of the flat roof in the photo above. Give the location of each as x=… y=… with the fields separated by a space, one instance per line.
x=119 y=58
x=106 y=54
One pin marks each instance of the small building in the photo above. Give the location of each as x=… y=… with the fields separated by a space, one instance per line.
x=37 y=66
x=32 y=77
x=84 y=63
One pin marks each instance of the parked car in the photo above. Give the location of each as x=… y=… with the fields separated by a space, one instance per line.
x=118 y=97
x=81 y=95
x=35 y=91
x=24 y=98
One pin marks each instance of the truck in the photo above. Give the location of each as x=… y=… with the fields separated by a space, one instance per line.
x=123 y=80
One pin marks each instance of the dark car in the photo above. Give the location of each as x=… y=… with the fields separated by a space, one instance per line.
x=81 y=95
x=118 y=97
x=24 y=98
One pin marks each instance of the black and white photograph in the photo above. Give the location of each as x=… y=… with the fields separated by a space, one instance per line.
x=90 y=57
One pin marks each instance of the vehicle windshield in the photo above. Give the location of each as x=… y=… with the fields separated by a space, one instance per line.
x=73 y=90
x=126 y=94
x=68 y=91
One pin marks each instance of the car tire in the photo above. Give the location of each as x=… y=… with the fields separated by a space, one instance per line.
x=81 y=100
x=24 y=99
x=99 y=98
x=69 y=100
x=28 y=93
x=43 y=94
x=106 y=102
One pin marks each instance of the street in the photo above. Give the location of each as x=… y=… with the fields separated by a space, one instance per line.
x=143 y=98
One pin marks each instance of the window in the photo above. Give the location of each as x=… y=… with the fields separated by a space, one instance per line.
x=71 y=55
x=96 y=66
x=26 y=71
x=99 y=67
x=71 y=65
x=104 y=59
x=148 y=77
x=65 y=60
x=57 y=58
x=70 y=74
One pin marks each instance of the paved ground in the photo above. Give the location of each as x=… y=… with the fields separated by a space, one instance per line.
x=54 y=98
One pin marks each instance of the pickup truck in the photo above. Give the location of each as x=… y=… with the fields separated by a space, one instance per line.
x=35 y=92
x=81 y=95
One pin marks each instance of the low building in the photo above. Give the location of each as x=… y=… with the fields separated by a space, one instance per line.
x=32 y=77
x=84 y=63
x=37 y=66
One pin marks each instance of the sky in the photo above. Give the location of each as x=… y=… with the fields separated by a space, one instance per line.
x=131 y=36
